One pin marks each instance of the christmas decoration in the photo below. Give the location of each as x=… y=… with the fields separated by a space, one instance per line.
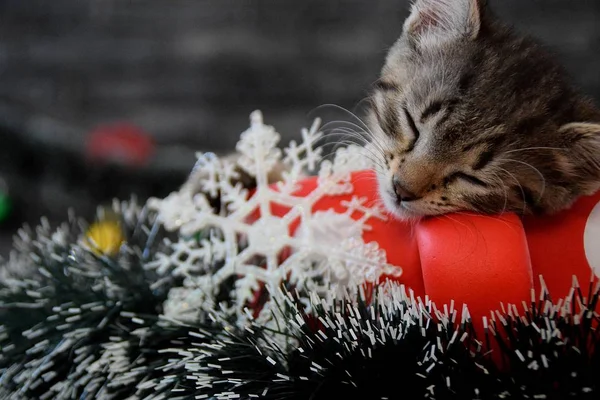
x=390 y=347
x=298 y=290
x=122 y=143
x=65 y=310
x=275 y=234
x=105 y=236
x=400 y=347
x=5 y=206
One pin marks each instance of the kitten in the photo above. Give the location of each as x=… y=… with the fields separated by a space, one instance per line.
x=468 y=115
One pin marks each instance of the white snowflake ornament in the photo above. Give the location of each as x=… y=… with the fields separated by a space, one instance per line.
x=256 y=247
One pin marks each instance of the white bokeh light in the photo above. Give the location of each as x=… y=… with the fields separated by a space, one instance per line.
x=591 y=240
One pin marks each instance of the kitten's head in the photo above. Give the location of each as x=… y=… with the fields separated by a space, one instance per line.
x=469 y=116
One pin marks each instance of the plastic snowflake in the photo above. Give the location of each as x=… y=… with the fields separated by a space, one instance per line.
x=247 y=242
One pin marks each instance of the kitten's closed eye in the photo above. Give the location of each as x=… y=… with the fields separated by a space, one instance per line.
x=473 y=180
x=431 y=110
x=414 y=131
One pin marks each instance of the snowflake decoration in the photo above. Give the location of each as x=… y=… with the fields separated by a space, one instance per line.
x=248 y=242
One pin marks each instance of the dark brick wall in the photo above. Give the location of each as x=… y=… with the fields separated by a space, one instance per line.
x=191 y=71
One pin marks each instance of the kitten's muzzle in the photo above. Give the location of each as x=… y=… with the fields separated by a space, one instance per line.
x=401 y=192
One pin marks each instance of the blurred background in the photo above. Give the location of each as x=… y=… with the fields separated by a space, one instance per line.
x=105 y=98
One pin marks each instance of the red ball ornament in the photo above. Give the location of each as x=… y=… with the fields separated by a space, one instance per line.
x=484 y=261
x=122 y=143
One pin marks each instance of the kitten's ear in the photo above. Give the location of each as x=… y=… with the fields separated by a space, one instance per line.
x=585 y=151
x=434 y=22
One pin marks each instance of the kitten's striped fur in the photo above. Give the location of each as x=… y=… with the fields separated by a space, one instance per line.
x=468 y=115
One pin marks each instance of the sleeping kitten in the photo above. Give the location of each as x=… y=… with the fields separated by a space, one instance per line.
x=468 y=115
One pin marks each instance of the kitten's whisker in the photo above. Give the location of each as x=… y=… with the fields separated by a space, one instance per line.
x=535 y=169
x=381 y=206
x=376 y=150
x=535 y=148
x=374 y=161
x=413 y=225
x=335 y=106
x=453 y=220
x=503 y=186
x=346 y=133
x=373 y=157
x=520 y=187
x=443 y=76
x=352 y=140
x=377 y=147
x=365 y=130
x=491 y=217
x=474 y=228
x=361 y=101
x=357 y=140
x=346 y=124
x=362 y=179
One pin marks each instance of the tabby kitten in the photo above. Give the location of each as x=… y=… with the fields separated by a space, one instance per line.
x=468 y=115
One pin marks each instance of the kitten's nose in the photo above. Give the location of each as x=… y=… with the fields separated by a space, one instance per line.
x=401 y=192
